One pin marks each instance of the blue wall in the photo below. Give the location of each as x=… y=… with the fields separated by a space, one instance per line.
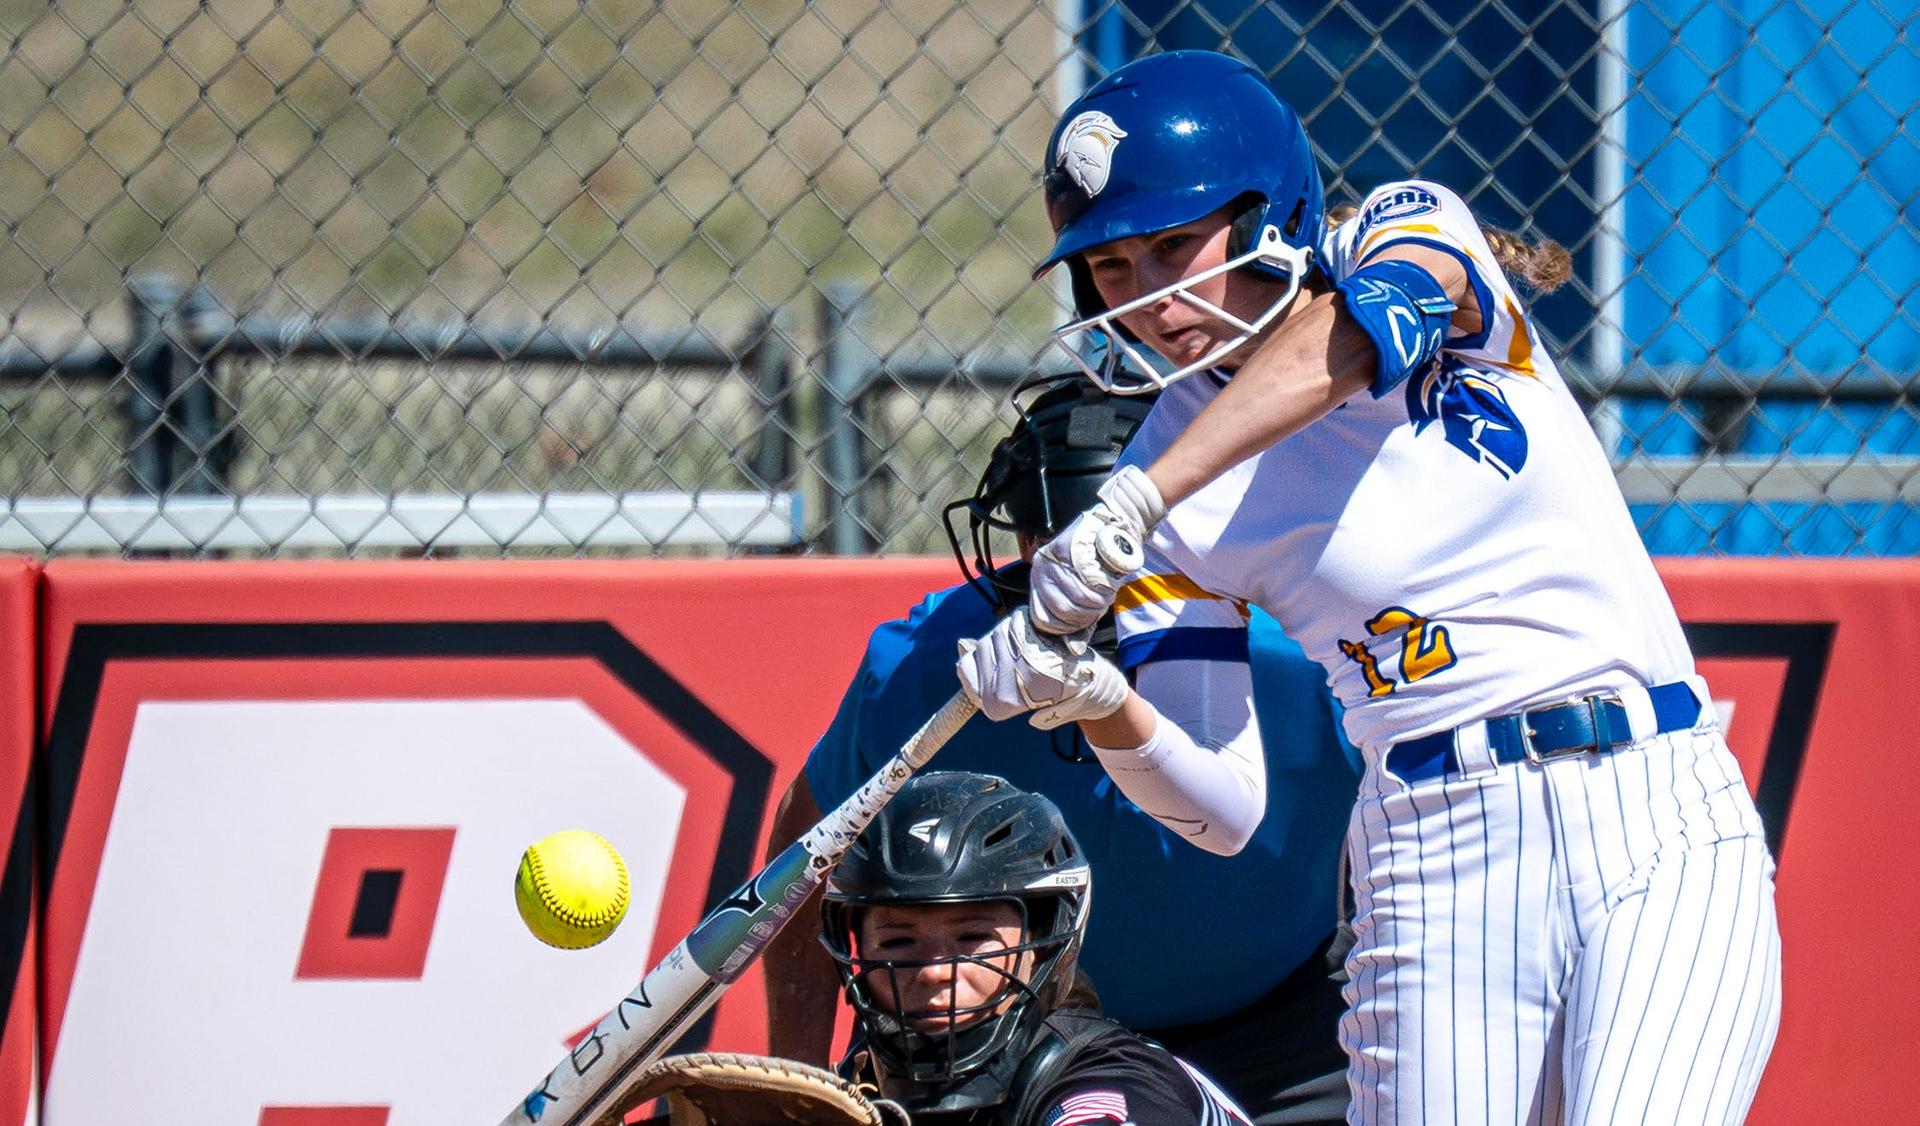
x=1771 y=213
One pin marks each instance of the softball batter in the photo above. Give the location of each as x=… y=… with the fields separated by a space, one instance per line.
x=1564 y=896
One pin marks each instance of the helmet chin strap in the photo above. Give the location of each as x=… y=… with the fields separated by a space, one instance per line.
x=1124 y=369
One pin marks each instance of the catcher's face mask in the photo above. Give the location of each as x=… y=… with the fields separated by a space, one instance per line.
x=943 y=967
x=942 y=997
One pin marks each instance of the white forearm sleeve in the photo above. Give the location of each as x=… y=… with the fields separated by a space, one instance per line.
x=1202 y=773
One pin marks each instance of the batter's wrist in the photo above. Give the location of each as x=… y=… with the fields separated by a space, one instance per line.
x=1131 y=495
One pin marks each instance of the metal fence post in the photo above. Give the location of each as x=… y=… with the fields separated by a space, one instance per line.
x=198 y=464
x=148 y=364
x=844 y=446
x=770 y=359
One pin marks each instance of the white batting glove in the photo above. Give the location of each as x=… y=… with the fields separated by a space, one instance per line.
x=1076 y=575
x=1016 y=669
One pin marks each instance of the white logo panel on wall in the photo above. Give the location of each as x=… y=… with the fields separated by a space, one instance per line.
x=209 y=901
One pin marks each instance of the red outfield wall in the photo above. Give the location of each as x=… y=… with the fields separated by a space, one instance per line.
x=283 y=804
x=1821 y=660
x=19 y=952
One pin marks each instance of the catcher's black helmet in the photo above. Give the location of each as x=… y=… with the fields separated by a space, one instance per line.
x=1043 y=474
x=956 y=837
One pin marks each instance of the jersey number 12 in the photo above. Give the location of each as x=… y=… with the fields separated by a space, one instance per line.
x=1425 y=649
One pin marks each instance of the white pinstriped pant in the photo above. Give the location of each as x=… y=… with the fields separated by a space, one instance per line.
x=1589 y=941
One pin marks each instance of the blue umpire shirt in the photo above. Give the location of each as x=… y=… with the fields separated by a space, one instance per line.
x=1177 y=934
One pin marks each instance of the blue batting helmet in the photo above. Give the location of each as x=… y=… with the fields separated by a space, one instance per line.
x=1168 y=139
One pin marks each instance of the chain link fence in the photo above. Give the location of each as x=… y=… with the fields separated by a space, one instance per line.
x=564 y=276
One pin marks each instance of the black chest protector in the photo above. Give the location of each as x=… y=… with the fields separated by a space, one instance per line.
x=1067 y=1033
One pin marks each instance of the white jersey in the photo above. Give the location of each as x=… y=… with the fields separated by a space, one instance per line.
x=1453 y=550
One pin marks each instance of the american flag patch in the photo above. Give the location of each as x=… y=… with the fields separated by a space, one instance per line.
x=1088 y=1106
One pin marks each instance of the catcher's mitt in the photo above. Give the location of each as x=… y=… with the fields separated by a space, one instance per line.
x=725 y=1089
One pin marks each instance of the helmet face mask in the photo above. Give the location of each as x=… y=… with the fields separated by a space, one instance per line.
x=1123 y=369
x=1041 y=475
x=981 y=573
x=1021 y=454
x=941 y=1043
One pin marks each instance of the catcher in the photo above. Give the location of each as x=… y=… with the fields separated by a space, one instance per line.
x=955 y=922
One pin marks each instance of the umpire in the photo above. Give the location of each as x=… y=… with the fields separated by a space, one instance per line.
x=1225 y=960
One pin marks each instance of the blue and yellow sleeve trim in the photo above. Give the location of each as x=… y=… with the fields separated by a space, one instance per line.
x=1173 y=587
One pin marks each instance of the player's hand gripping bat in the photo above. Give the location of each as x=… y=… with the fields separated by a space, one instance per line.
x=686 y=983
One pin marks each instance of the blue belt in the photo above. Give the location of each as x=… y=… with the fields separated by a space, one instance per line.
x=1594 y=725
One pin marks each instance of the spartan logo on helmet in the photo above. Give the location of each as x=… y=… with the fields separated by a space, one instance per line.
x=1086 y=150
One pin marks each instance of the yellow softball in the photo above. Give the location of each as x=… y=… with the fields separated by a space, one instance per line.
x=571 y=889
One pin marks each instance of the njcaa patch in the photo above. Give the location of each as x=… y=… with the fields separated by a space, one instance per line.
x=1473 y=414
x=1085 y=151
x=1401 y=203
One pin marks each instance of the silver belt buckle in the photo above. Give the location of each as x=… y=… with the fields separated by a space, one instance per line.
x=1597 y=723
